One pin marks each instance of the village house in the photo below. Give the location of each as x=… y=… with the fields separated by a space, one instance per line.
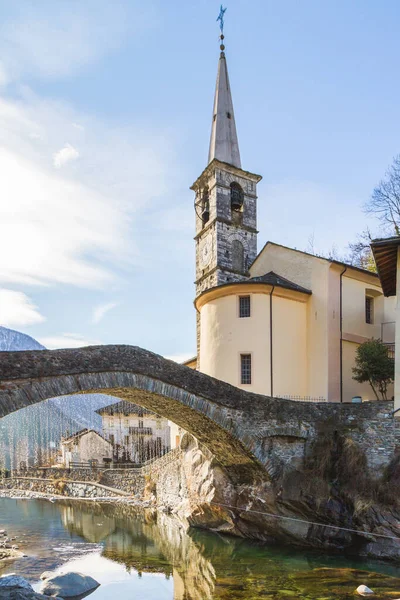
x=85 y=446
x=137 y=434
x=279 y=322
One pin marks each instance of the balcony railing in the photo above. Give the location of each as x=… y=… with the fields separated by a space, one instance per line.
x=141 y=430
x=391 y=349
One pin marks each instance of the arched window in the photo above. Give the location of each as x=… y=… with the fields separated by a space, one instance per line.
x=237 y=197
x=237 y=256
x=205 y=206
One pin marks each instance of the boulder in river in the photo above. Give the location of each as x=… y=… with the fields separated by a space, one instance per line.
x=363 y=590
x=13 y=580
x=69 y=585
x=13 y=593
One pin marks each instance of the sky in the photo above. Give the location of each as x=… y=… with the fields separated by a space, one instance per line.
x=105 y=117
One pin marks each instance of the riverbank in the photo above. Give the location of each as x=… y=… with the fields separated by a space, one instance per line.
x=10 y=547
x=329 y=501
x=31 y=495
x=147 y=554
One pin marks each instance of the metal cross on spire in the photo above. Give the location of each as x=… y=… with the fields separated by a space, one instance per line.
x=220 y=18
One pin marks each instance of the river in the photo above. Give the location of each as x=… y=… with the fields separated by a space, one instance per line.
x=149 y=556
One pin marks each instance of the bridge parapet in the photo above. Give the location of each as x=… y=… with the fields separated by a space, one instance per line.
x=245 y=432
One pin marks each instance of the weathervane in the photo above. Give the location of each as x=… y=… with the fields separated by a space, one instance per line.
x=220 y=18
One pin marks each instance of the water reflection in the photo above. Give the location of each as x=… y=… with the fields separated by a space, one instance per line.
x=148 y=542
x=197 y=565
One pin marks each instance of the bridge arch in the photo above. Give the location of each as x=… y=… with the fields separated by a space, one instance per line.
x=212 y=411
x=244 y=431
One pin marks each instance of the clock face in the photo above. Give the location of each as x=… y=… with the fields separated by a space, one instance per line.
x=205 y=253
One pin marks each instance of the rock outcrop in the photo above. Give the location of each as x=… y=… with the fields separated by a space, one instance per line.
x=328 y=499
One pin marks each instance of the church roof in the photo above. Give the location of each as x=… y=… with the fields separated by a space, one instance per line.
x=330 y=260
x=124 y=408
x=224 y=145
x=272 y=278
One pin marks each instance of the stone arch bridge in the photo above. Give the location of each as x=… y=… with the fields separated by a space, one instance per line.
x=247 y=433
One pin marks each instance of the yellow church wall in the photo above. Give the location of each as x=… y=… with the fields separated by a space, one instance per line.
x=224 y=336
x=333 y=326
x=312 y=273
x=306 y=329
x=289 y=340
x=354 y=293
x=322 y=277
x=389 y=322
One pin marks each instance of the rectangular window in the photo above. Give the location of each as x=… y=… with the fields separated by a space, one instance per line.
x=369 y=309
x=111 y=438
x=140 y=423
x=244 y=306
x=127 y=440
x=245 y=369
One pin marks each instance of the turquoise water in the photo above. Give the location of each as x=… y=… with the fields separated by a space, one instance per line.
x=148 y=556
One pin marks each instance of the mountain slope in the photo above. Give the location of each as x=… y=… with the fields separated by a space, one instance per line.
x=31 y=432
x=17 y=341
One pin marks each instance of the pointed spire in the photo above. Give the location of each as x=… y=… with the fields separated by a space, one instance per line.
x=224 y=145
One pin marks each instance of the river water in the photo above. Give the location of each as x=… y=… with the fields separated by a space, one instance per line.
x=149 y=556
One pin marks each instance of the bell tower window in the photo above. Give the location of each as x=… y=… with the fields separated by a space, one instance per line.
x=237 y=197
x=205 y=206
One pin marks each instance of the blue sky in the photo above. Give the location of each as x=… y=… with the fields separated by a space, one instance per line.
x=105 y=114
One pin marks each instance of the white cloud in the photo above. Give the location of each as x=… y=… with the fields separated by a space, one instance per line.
x=16 y=309
x=100 y=311
x=72 y=228
x=67 y=340
x=65 y=155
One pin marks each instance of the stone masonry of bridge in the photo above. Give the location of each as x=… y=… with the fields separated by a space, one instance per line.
x=248 y=434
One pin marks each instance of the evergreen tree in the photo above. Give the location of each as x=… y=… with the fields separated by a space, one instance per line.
x=373 y=364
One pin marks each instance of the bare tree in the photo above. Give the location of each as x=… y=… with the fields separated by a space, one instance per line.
x=361 y=253
x=311 y=244
x=385 y=200
x=383 y=204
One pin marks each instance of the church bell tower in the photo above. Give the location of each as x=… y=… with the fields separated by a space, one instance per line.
x=225 y=199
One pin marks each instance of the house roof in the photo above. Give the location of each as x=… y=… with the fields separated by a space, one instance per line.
x=385 y=254
x=189 y=360
x=79 y=434
x=272 y=278
x=330 y=260
x=124 y=407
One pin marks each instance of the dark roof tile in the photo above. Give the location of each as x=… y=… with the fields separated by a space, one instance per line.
x=124 y=407
x=272 y=278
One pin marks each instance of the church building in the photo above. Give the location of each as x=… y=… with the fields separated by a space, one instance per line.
x=279 y=322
